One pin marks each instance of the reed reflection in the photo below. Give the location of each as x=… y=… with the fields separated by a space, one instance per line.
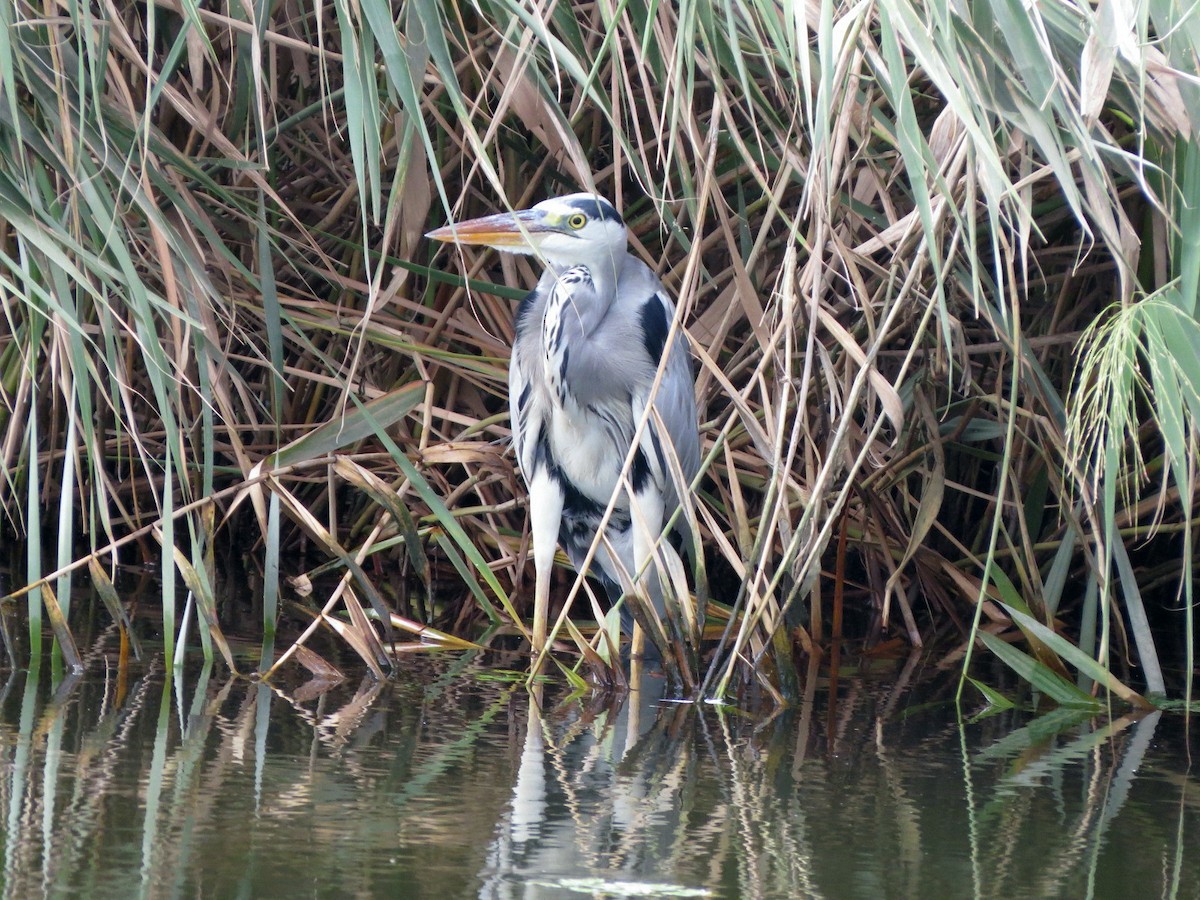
x=455 y=780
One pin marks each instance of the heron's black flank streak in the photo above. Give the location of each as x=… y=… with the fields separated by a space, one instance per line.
x=654 y=328
x=576 y=504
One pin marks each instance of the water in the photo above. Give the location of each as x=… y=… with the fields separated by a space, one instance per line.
x=451 y=782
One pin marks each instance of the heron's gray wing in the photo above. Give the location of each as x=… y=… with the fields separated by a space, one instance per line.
x=674 y=401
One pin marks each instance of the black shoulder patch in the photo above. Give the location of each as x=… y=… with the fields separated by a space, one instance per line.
x=597 y=209
x=654 y=328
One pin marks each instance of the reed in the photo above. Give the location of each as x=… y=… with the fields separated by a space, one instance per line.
x=939 y=267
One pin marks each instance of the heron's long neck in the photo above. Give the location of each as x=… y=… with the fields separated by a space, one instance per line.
x=581 y=297
x=604 y=272
x=603 y=266
x=574 y=311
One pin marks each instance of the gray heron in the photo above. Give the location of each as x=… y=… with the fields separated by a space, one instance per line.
x=589 y=340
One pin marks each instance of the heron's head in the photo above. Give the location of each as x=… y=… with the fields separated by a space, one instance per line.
x=578 y=229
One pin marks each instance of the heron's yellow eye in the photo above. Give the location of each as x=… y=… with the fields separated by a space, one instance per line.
x=577 y=221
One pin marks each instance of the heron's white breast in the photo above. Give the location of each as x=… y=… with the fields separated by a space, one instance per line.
x=587 y=453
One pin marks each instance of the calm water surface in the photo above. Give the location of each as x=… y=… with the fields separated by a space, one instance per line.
x=451 y=781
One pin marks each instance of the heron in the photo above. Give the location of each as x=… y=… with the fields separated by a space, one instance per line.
x=589 y=341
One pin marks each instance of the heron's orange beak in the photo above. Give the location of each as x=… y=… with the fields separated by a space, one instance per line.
x=502 y=230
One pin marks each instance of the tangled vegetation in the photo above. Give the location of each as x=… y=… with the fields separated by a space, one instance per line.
x=938 y=265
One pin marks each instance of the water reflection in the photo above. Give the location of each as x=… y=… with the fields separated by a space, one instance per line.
x=454 y=781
